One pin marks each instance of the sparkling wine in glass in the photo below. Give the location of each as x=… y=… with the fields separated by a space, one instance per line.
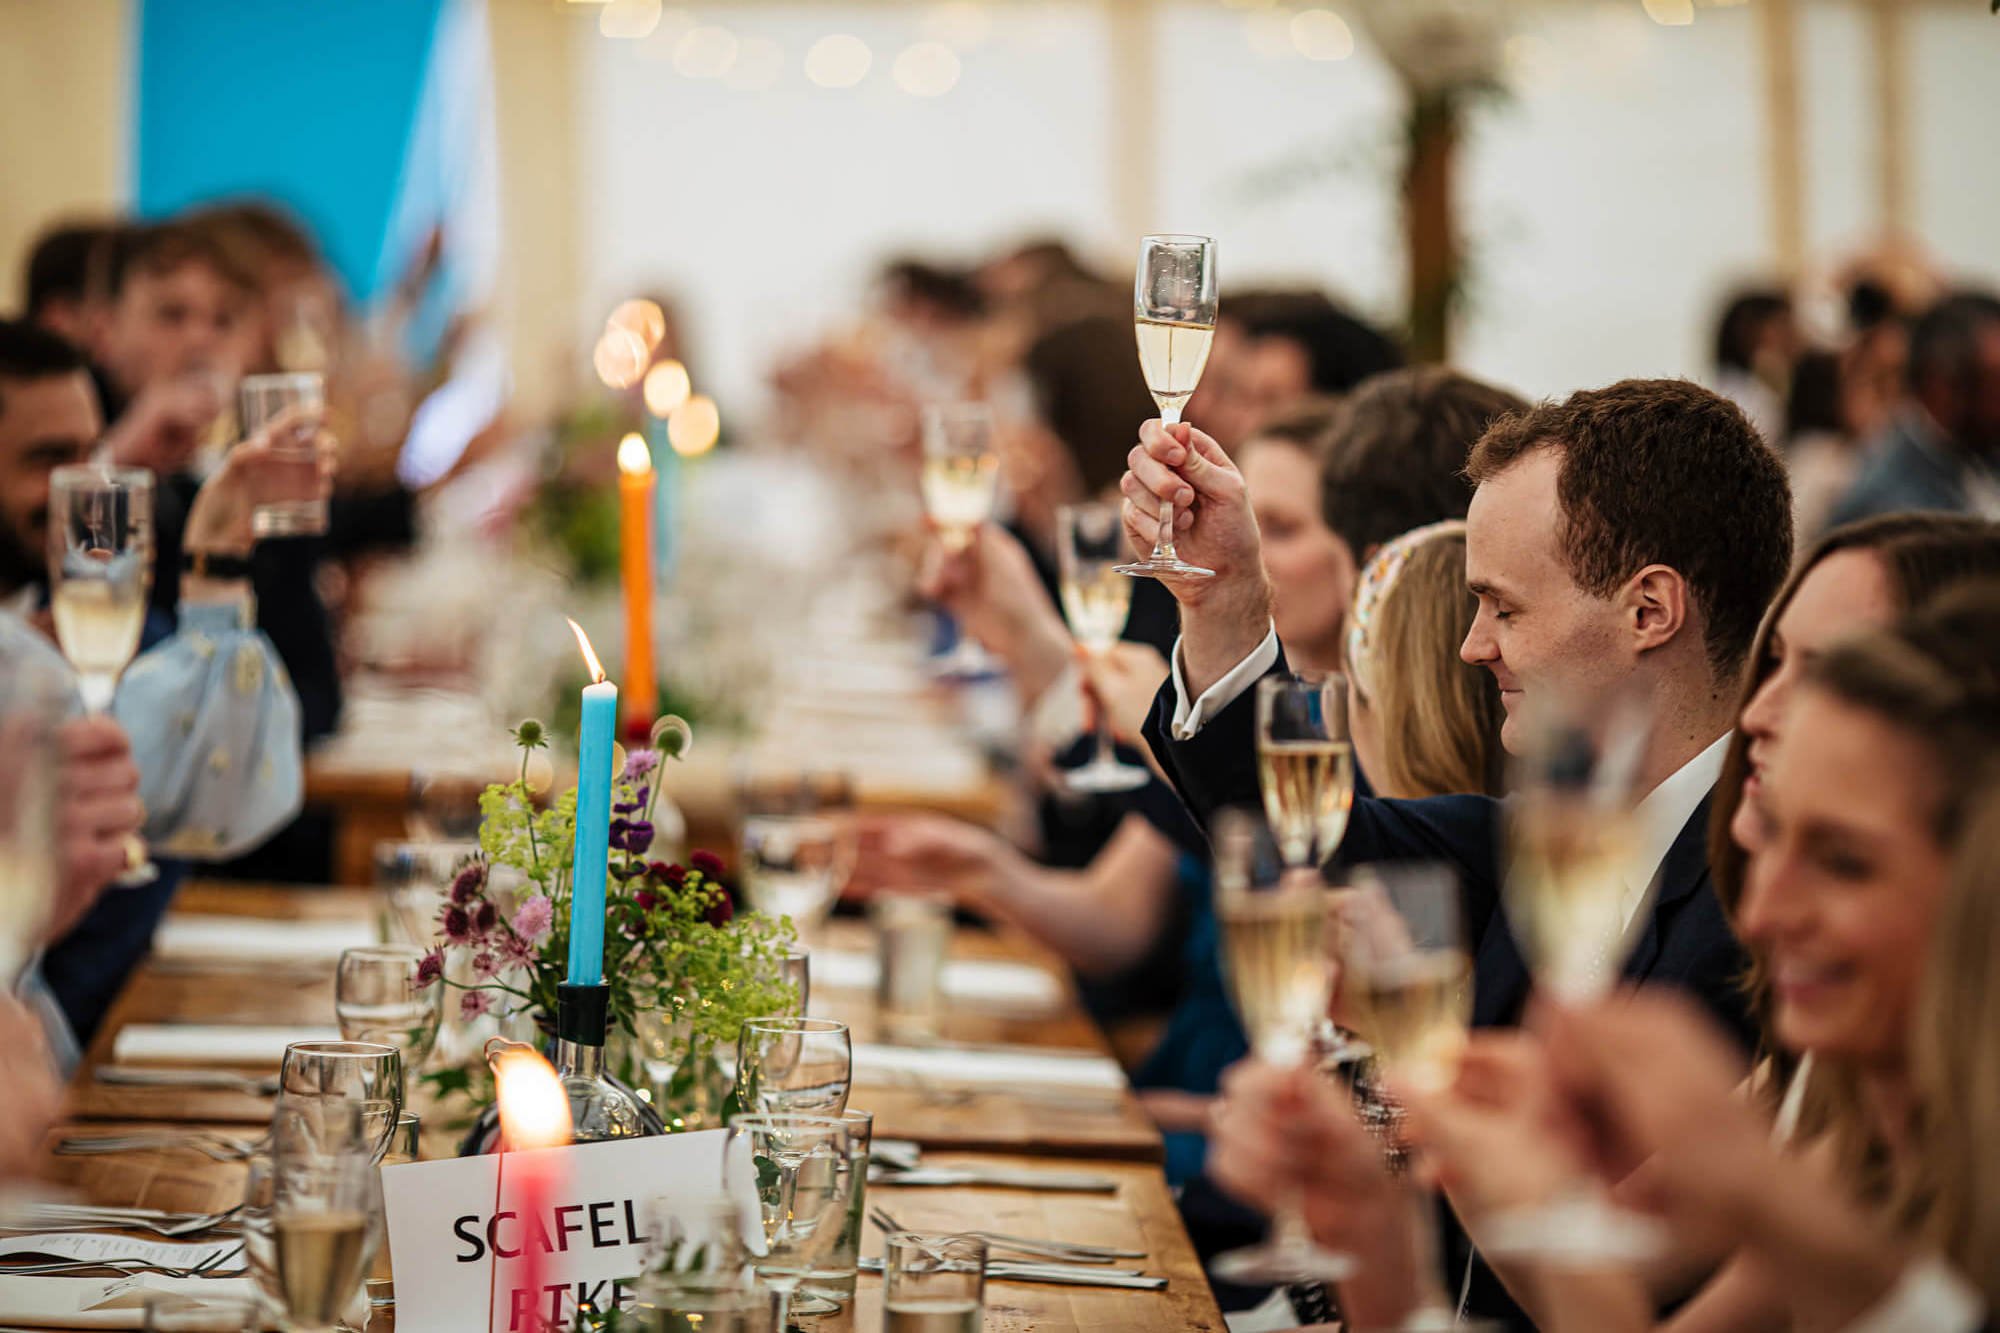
x=1406 y=972
x=1173 y=305
x=794 y=1066
x=960 y=480
x=1096 y=599
x=799 y=1170
x=100 y=571
x=1305 y=763
x=291 y=499
x=32 y=699
x=1574 y=888
x=375 y=999
x=1274 y=957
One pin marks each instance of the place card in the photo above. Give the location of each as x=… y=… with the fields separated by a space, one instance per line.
x=579 y=1217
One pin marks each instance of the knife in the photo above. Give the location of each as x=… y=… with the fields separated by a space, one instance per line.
x=1067 y=1275
x=1066 y=1182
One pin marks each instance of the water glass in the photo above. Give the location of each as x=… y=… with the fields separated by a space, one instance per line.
x=796 y=1167
x=796 y=972
x=912 y=936
x=375 y=998
x=834 y=1276
x=340 y=1090
x=794 y=1066
x=173 y=1312
x=934 y=1284
x=292 y=487
x=405 y=1146
x=414 y=879
x=799 y=843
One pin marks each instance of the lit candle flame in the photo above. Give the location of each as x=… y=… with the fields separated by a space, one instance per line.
x=534 y=1110
x=634 y=457
x=589 y=657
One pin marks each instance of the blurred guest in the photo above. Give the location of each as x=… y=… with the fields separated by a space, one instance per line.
x=1273 y=348
x=213 y=719
x=65 y=281
x=34 y=1091
x=1821 y=453
x=1756 y=344
x=1943 y=447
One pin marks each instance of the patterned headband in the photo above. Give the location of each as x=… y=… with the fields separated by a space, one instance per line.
x=1377 y=578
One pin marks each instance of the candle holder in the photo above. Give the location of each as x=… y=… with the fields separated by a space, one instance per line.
x=599 y=1106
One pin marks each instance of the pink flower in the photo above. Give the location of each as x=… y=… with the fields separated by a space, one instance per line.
x=535 y=919
x=485 y=965
x=638 y=763
x=429 y=968
x=468 y=883
x=473 y=1003
x=457 y=926
x=518 y=950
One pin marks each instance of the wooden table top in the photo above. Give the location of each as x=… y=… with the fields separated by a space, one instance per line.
x=1140 y=1215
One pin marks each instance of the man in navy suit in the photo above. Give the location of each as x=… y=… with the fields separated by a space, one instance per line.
x=1625 y=539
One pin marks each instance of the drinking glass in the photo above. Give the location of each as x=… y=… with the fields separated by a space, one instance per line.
x=413 y=879
x=1173 y=307
x=933 y=1284
x=697 y=1268
x=173 y=1312
x=32 y=699
x=375 y=998
x=912 y=936
x=1406 y=984
x=796 y=972
x=405 y=1146
x=834 y=1276
x=799 y=844
x=325 y=1221
x=1305 y=763
x=1573 y=885
x=292 y=487
x=1275 y=961
x=1096 y=599
x=794 y=1066
x=960 y=479
x=260 y=1253
x=100 y=570
x=801 y=1203
x=327 y=1084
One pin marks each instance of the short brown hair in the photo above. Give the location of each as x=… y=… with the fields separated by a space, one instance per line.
x=166 y=246
x=1304 y=425
x=1662 y=472
x=1395 y=459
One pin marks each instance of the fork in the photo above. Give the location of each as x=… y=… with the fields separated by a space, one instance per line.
x=220 y=1147
x=169 y=1227
x=208 y=1267
x=1046 y=1249
x=222 y=1079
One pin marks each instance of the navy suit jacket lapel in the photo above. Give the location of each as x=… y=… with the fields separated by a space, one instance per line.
x=1682 y=874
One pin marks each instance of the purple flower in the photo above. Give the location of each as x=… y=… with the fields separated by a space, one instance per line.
x=469 y=882
x=457 y=925
x=675 y=875
x=534 y=919
x=473 y=1003
x=638 y=763
x=639 y=838
x=485 y=917
x=708 y=863
x=625 y=807
x=721 y=911
x=429 y=968
x=646 y=899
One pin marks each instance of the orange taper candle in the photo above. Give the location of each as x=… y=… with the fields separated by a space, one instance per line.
x=635 y=562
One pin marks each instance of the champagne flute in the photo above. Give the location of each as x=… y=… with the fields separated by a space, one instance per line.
x=32 y=698
x=1173 y=307
x=1274 y=958
x=1096 y=599
x=794 y=1066
x=1574 y=885
x=802 y=1203
x=340 y=1091
x=960 y=478
x=375 y=999
x=1305 y=763
x=100 y=570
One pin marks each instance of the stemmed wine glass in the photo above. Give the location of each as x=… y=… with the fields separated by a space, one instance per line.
x=961 y=476
x=1096 y=599
x=32 y=698
x=339 y=1089
x=1173 y=305
x=1574 y=883
x=795 y=1066
x=375 y=999
x=1274 y=958
x=799 y=844
x=100 y=571
x=801 y=1203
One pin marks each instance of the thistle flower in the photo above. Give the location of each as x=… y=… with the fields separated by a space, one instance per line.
x=469 y=883
x=473 y=1003
x=430 y=968
x=456 y=924
x=638 y=763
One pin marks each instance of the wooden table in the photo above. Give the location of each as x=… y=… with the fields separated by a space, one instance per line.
x=1140 y=1215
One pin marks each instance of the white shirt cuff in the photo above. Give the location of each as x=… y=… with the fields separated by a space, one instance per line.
x=1928 y=1298
x=1190 y=718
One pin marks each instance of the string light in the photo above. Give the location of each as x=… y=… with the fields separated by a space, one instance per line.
x=641 y=318
x=705 y=52
x=759 y=62
x=838 y=60
x=620 y=357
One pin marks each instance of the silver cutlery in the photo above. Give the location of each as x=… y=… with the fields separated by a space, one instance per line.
x=220 y=1147
x=1058 y=1274
x=1060 y=1250
x=221 y=1080
x=210 y=1266
x=1065 y=1182
x=55 y=1218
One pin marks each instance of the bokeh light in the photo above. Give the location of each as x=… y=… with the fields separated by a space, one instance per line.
x=705 y=52
x=641 y=318
x=620 y=357
x=838 y=60
x=667 y=387
x=959 y=24
x=694 y=426
x=1670 y=13
x=759 y=62
x=1321 y=34
x=927 y=69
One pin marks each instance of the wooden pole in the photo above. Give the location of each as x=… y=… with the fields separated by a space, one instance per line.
x=1133 y=87
x=1777 y=30
x=1888 y=33
x=1430 y=233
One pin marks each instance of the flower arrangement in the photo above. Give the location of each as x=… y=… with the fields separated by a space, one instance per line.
x=675 y=949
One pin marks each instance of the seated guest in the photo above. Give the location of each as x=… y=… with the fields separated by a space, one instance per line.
x=64 y=287
x=1273 y=350
x=1756 y=346
x=213 y=718
x=1943 y=447
x=34 y=1091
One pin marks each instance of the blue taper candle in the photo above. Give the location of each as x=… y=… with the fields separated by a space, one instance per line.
x=591 y=847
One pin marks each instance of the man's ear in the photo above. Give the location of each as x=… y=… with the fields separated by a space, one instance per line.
x=1656 y=607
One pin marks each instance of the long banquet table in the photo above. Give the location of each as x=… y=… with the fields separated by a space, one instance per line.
x=1020 y=1127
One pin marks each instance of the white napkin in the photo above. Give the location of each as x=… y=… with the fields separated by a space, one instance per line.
x=253 y=939
x=68 y=1302
x=971 y=982
x=211 y=1043
x=986 y=1066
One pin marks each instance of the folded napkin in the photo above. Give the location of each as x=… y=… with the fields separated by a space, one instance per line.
x=971 y=982
x=70 y=1302
x=986 y=1066
x=211 y=1043
x=257 y=940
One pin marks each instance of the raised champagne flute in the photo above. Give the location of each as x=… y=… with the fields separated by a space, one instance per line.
x=1576 y=891
x=100 y=570
x=1096 y=599
x=960 y=480
x=33 y=697
x=1274 y=957
x=1305 y=763
x=1173 y=308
